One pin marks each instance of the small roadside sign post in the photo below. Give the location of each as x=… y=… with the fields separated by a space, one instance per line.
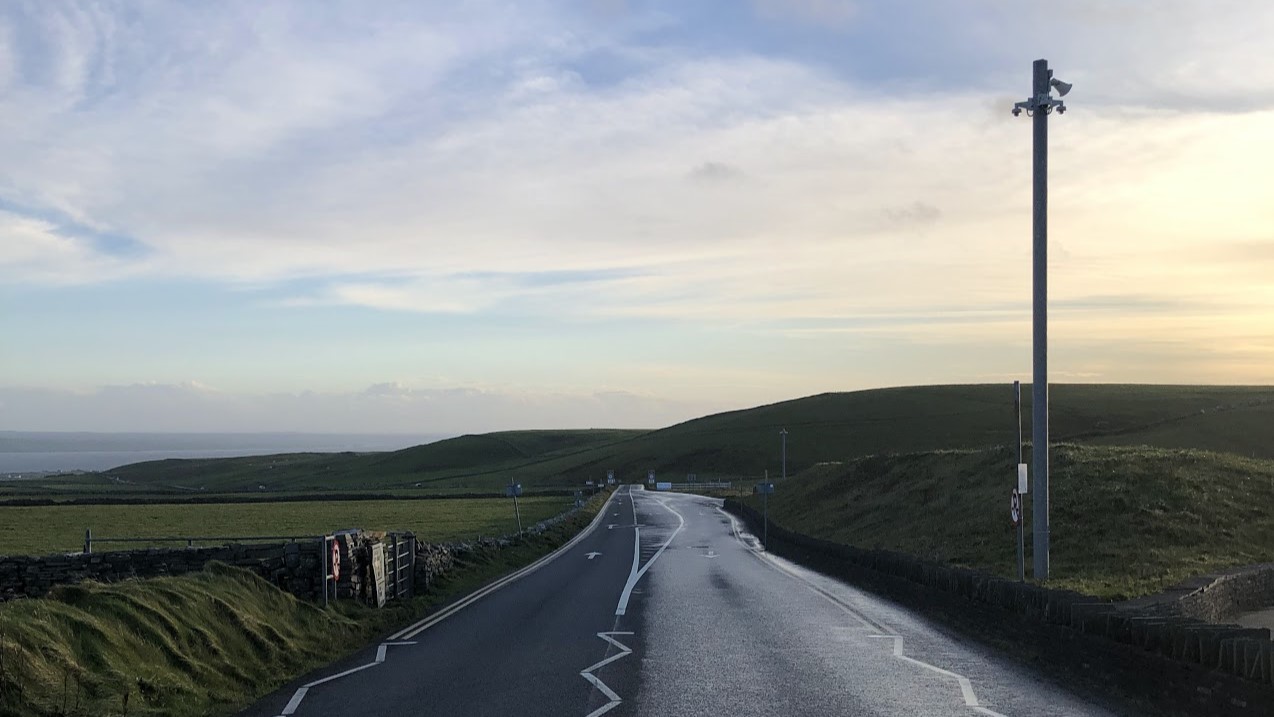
x=650 y=476
x=610 y=477
x=765 y=489
x=1015 y=515
x=513 y=491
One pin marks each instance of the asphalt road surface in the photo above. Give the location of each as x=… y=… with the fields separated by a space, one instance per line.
x=666 y=607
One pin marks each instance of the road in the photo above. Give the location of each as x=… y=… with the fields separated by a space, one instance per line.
x=666 y=608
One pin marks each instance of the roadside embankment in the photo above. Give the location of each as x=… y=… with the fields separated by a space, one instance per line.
x=210 y=642
x=1171 y=664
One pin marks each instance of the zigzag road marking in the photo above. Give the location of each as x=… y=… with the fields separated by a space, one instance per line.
x=596 y=681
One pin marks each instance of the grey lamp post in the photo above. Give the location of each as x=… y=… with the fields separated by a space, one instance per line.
x=1038 y=107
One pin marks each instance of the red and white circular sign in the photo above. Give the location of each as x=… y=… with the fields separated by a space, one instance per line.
x=1015 y=507
x=336 y=561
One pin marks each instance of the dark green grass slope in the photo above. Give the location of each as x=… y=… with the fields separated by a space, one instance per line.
x=1126 y=521
x=441 y=464
x=826 y=427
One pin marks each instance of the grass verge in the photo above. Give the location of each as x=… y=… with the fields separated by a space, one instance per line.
x=1126 y=521
x=207 y=643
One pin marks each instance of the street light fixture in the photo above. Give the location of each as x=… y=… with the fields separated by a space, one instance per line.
x=1038 y=107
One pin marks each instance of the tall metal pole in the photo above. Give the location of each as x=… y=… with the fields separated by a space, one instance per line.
x=1038 y=106
x=783 y=433
x=1039 y=322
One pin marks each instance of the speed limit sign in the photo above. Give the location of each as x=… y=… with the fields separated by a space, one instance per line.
x=1015 y=507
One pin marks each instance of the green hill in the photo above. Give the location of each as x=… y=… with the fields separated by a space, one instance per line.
x=1125 y=521
x=826 y=427
x=438 y=464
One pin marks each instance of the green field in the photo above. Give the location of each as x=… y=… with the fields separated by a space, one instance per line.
x=827 y=427
x=1125 y=521
x=50 y=529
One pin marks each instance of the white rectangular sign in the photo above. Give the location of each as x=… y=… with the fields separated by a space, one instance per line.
x=663 y=486
x=1021 y=479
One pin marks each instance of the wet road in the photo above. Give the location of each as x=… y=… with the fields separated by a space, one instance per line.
x=666 y=607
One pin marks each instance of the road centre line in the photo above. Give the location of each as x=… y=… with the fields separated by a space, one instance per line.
x=966 y=686
x=635 y=574
x=403 y=636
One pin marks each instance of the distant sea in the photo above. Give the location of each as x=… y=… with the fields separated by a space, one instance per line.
x=47 y=452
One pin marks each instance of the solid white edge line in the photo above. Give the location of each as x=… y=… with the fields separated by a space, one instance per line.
x=425 y=623
x=966 y=686
x=338 y=676
x=295 y=701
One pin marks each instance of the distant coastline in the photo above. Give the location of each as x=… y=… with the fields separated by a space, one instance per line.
x=48 y=452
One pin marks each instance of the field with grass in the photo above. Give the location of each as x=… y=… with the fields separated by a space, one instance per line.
x=827 y=427
x=1125 y=521
x=204 y=644
x=41 y=530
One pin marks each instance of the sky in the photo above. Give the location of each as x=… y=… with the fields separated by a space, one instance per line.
x=452 y=217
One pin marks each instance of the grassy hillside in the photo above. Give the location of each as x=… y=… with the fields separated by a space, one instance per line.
x=189 y=645
x=1125 y=521
x=833 y=426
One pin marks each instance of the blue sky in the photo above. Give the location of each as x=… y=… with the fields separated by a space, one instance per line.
x=448 y=217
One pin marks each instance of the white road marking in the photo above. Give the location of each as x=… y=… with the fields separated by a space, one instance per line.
x=966 y=687
x=710 y=554
x=611 y=526
x=587 y=673
x=403 y=636
x=636 y=574
x=295 y=701
x=415 y=629
x=592 y=555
